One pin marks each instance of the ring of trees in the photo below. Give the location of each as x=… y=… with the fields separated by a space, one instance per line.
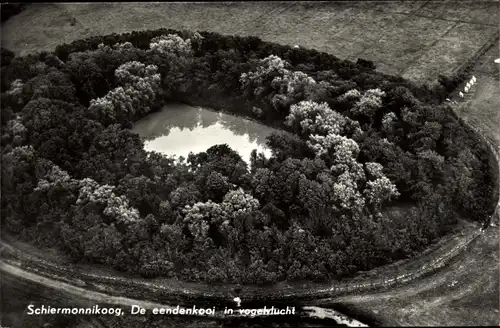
x=373 y=168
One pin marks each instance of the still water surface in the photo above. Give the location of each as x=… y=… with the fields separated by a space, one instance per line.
x=178 y=129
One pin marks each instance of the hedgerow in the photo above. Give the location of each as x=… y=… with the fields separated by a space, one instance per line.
x=359 y=144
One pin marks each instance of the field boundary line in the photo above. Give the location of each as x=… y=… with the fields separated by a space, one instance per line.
x=255 y=21
x=469 y=63
x=429 y=47
x=442 y=19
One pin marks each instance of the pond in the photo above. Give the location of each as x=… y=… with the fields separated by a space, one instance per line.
x=179 y=129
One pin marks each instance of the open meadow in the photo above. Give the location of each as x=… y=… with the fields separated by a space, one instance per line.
x=415 y=39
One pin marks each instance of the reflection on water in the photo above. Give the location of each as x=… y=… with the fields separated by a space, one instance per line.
x=179 y=129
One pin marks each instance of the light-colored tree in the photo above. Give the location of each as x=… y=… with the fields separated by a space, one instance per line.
x=388 y=121
x=342 y=150
x=238 y=202
x=201 y=214
x=16 y=87
x=17 y=130
x=314 y=118
x=104 y=106
x=54 y=176
x=369 y=103
x=116 y=207
x=270 y=66
x=379 y=191
x=346 y=193
x=133 y=72
x=140 y=86
x=208 y=211
x=374 y=169
x=352 y=94
x=290 y=85
x=171 y=44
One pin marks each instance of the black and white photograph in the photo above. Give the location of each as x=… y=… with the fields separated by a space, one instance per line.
x=250 y=164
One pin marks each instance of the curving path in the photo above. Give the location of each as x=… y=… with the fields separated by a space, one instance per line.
x=72 y=291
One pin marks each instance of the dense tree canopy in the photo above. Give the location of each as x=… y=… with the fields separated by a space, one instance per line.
x=357 y=147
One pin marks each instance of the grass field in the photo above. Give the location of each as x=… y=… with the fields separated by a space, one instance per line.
x=481 y=106
x=416 y=39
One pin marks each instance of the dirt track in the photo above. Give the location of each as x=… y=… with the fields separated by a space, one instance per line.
x=395 y=274
x=126 y=303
